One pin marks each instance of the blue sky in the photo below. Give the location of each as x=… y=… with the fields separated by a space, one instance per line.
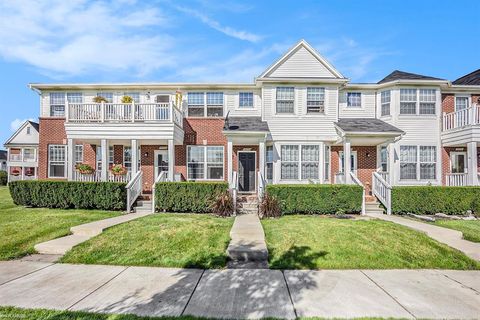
x=222 y=41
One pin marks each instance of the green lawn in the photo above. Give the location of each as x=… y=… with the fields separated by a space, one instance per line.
x=21 y=228
x=316 y=242
x=161 y=240
x=469 y=228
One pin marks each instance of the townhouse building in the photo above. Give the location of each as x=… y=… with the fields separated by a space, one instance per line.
x=297 y=122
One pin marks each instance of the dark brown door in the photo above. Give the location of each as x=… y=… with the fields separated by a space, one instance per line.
x=246 y=171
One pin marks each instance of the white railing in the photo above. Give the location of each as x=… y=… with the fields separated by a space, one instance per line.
x=456 y=179
x=234 y=189
x=134 y=189
x=20 y=177
x=339 y=178
x=125 y=178
x=162 y=177
x=359 y=183
x=382 y=190
x=262 y=183
x=461 y=118
x=122 y=112
x=383 y=174
x=96 y=176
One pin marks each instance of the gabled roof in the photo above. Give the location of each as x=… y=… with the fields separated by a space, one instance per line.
x=366 y=125
x=402 y=75
x=473 y=78
x=15 y=134
x=307 y=51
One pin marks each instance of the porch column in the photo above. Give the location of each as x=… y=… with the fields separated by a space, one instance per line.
x=70 y=160
x=391 y=163
x=229 y=161
x=347 y=161
x=134 y=151
x=321 y=160
x=472 y=163
x=261 y=160
x=171 y=160
x=104 y=148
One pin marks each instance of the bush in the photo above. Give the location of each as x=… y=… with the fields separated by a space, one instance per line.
x=69 y=194
x=270 y=207
x=197 y=197
x=3 y=178
x=317 y=198
x=435 y=199
x=223 y=205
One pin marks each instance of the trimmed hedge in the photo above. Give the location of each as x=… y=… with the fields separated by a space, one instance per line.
x=3 y=178
x=435 y=199
x=317 y=198
x=196 y=197
x=69 y=194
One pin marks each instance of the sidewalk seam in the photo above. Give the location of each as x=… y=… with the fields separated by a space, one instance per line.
x=193 y=291
x=98 y=288
x=26 y=274
x=401 y=305
x=460 y=283
x=290 y=295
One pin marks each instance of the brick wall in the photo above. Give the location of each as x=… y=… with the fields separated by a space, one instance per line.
x=147 y=161
x=448 y=102
x=446 y=166
x=118 y=154
x=52 y=131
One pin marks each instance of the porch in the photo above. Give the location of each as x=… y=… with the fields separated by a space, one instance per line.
x=22 y=163
x=461 y=165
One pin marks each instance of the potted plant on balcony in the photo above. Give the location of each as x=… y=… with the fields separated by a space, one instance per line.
x=99 y=99
x=15 y=172
x=119 y=170
x=84 y=168
x=127 y=99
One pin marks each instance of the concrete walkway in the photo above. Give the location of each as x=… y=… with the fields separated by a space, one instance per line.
x=247 y=245
x=433 y=294
x=450 y=237
x=82 y=233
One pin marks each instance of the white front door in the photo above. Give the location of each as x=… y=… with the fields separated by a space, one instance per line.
x=459 y=162
x=161 y=161
x=353 y=161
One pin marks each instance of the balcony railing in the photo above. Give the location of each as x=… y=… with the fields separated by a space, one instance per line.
x=461 y=118
x=456 y=179
x=96 y=176
x=123 y=112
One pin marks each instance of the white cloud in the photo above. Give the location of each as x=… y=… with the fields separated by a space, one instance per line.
x=229 y=31
x=77 y=36
x=15 y=124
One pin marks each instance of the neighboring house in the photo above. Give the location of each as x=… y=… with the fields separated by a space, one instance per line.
x=22 y=149
x=294 y=124
x=3 y=160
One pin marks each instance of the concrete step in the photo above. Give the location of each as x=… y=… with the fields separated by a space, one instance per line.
x=247 y=250
x=141 y=203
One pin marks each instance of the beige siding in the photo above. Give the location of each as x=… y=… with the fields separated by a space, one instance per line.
x=367 y=110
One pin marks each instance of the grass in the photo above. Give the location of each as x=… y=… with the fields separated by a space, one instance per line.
x=160 y=240
x=21 y=228
x=315 y=242
x=469 y=228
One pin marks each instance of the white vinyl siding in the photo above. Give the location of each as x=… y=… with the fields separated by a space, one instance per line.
x=285 y=102
x=205 y=162
x=57 y=161
x=315 y=100
x=385 y=103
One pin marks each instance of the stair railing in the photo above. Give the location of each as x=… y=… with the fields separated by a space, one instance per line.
x=359 y=183
x=383 y=191
x=234 y=189
x=134 y=189
x=162 y=177
x=262 y=183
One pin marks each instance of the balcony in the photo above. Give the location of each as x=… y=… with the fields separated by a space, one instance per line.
x=461 y=127
x=162 y=121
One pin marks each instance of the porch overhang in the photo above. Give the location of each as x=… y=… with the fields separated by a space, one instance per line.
x=245 y=130
x=366 y=131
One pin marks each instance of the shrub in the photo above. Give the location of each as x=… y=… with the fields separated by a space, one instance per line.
x=317 y=198
x=223 y=205
x=69 y=194
x=127 y=99
x=435 y=199
x=197 y=197
x=3 y=178
x=270 y=207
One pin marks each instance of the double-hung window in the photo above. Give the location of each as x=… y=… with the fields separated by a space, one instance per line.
x=57 y=104
x=385 y=103
x=56 y=161
x=205 y=162
x=127 y=157
x=461 y=103
x=299 y=162
x=418 y=162
x=408 y=101
x=315 y=100
x=354 y=99
x=111 y=156
x=245 y=99
x=269 y=162
x=78 y=153
x=214 y=104
x=427 y=101
x=285 y=100
x=201 y=104
x=196 y=104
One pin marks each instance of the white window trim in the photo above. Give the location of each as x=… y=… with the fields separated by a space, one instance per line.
x=205 y=163
x=64 y=162
x=299 y=162
x=253 y=107
x=354 y=107
x=468 y=96
x=417 y=103
x=389 y=104
x=465 y=160
x=284 y=114
x=417 y=179
x=205 y=105
x=75 y=153
x=316 y=114
x=353 y=153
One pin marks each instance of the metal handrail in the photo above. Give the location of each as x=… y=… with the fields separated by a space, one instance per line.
x=359 y=183
x=134 y=189
x=383 y=191
x=162 y=177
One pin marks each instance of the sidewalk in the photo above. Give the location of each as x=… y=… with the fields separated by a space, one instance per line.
x=450 y=237
x=239 y=293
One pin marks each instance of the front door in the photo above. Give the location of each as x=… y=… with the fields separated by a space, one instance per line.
x=161 y=161
x=459 y=162
x=246 y=171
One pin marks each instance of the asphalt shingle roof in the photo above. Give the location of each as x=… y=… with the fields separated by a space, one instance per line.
x=366 y=125
x=401 y=75
x=473 y=78
x=245 y=124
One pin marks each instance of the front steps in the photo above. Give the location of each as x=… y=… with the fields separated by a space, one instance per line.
x=247 y=204
x=373 y=207
x=143 y=206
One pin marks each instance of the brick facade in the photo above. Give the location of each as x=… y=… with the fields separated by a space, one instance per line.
x=448 y=102
x=52 y=131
